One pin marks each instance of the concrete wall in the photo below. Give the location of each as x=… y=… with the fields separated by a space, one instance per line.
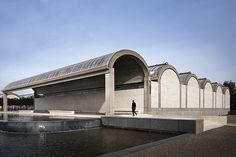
x=201 y=98
x=89 y=101
x=190 y=125
x=227 y=99
x=183 y=96
x=82 y=84
x=208 y=96
x=170 y=90
x=123 y=99
x=219 y=97
x=154 y=94
x=193 y=93
x=86 y=95
x=190 y=112
x=214 y=100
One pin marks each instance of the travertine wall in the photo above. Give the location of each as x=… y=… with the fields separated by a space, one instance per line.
x=193 y=93
x=183 y=96
x=227 y=99
x=154 y=94
x=170 y=90
x=208 y=96
x=219 y=97
x=201 y=98
x=123 y=99
x=90 y=101
x=214 y=100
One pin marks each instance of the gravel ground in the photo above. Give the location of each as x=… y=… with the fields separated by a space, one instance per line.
x=220 y=142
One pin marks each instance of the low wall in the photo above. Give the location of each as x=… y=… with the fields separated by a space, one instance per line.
x=189 y=111
x=48 y=126
x=189 y=125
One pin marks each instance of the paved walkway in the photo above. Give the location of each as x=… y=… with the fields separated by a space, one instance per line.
x=220 y=142
x=210 y=122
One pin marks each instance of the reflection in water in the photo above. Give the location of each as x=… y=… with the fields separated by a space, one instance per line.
x=14 y=117
x=42 y=139
x=84 y=143
x=5 y=116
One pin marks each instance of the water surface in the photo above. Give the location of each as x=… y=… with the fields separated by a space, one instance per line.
x=86 y=143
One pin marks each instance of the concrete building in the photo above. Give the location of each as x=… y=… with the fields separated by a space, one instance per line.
x=108 y=84
x=100 y=85
x=217 y=95
x=165 y=86
x=190 y=90
x=206 y=93
x=226 y=98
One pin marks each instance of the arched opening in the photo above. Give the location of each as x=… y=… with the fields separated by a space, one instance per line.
x=129 y=78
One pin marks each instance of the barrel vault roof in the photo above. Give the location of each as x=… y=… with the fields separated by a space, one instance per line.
x=91 y=65
x=157 y=70
x=185 y=77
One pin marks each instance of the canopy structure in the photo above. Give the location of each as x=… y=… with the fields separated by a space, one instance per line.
x=90 y=86
x=85 y=67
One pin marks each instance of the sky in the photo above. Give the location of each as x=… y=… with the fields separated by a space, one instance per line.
x=192 y=35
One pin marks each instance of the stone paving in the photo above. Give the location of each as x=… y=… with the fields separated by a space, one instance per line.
x=219 y=142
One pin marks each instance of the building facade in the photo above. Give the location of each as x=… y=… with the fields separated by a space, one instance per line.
x=108 y=84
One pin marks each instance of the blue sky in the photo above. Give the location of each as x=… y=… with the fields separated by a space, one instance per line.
x=193 y=35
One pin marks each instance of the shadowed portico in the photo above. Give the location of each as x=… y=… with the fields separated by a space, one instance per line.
x=123 y=69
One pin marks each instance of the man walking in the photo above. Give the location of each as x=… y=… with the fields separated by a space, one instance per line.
x=134 y=108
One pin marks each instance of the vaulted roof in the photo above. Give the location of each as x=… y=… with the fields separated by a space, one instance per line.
x=85 y=67
x=215 y=85
x=224 y=89
x=157 y=70
x=203 y=82
x=184 y=77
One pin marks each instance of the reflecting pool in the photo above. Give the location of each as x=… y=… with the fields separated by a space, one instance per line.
x=84 y=143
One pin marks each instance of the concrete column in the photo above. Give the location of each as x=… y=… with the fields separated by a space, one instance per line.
x=200 y=95
x=186 y=99
x=147 y=95
x=110 y=91
x=213 y=99
x=203 y=98
x=5 y=102
x=159 y=94
x=180 y=96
